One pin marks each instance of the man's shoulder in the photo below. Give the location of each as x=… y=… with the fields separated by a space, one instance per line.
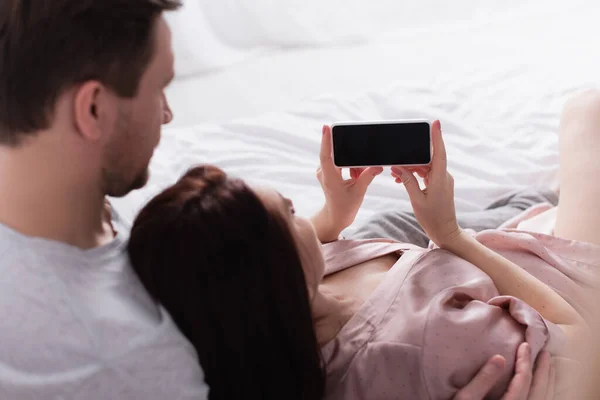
x=159 y=365
x=81 y=323
x=152 y=371
x=59 y=346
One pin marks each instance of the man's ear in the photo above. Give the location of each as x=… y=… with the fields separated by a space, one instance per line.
x=94 y=110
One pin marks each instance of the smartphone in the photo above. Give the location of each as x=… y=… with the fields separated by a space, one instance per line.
x=382 y=143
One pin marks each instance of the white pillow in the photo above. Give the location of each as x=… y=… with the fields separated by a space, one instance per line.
x=196 y=46
x=250 y=23
x=211 y=34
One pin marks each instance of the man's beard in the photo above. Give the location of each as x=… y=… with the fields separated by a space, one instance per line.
x=117 y=185
x=140 y=181
x=117 y=180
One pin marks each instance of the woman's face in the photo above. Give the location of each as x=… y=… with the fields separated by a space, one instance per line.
x=307 y=242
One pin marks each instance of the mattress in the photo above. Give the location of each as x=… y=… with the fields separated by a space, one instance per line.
x=497 y=83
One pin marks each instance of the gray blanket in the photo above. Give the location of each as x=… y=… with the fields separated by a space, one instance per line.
x=401 y=225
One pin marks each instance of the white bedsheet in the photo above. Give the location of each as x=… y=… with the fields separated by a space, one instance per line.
x=497 y=84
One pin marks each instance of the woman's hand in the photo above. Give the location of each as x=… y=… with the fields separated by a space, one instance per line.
x=343 y=197
x=434 y=205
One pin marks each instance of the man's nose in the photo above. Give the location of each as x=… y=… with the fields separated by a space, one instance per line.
x=168 y=116
x=167 y=112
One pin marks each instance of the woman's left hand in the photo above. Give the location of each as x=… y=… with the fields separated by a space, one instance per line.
x=434 y=205
x=343 y=197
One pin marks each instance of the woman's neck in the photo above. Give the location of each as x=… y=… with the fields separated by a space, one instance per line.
x=340 y=296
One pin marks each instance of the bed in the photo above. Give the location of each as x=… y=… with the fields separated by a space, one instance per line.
x=496 y=74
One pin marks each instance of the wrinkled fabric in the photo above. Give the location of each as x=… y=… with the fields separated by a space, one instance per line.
x=436 y=319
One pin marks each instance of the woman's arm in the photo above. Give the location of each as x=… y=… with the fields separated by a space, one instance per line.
x=343 y=197
x=512 y=280
x=326 y=229
x=434 y=208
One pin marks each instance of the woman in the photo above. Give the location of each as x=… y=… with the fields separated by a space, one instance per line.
x=266 y=305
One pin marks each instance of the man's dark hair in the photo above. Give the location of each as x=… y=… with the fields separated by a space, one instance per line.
x=48 y=46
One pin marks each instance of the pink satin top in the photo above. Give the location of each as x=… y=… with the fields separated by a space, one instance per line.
x=436 y=319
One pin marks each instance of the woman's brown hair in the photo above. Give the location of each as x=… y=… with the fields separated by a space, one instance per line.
x=229 y=273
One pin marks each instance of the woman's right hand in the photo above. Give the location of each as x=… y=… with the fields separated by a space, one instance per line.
x=343 y=197
x=434 y=205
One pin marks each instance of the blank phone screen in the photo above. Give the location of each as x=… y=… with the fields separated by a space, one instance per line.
x=381 y=144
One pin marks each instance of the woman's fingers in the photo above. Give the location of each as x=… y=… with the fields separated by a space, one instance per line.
x=422 y=171
x=356 y=172
x=410 y=182
x=366 y=177
x=439 y=163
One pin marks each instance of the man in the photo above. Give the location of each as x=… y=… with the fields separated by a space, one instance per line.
x=81 y=106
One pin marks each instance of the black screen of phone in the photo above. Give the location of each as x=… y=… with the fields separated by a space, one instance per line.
x=381 y=144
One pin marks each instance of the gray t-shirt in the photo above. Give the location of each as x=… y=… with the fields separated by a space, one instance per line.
x=78 y=324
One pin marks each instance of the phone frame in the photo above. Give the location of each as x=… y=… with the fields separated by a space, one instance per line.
x=383 y=122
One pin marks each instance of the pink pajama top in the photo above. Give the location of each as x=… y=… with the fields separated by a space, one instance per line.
x=436 y=319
